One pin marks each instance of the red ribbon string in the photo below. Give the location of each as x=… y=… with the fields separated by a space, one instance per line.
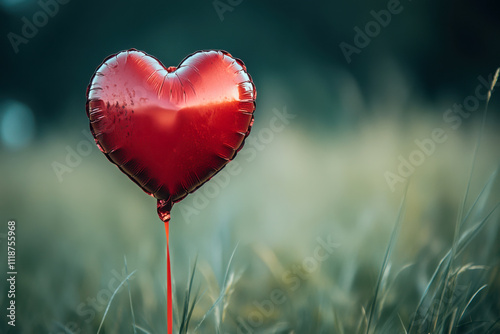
x=169 y=287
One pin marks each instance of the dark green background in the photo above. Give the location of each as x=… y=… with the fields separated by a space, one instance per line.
x=439 y=46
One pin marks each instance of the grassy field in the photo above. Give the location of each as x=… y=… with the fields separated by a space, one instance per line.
x=303 y=234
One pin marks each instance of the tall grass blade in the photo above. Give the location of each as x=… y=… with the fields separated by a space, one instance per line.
x=387 y=256
x=470 y=301
x=130 y=296
x=222 y=292
x=112 y=297
x=185 y=313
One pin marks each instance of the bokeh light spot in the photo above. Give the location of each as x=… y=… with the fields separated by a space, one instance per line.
x=13 y=6
x=17 y=125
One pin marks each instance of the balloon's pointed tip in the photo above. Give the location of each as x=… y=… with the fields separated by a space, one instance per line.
x=164 y=207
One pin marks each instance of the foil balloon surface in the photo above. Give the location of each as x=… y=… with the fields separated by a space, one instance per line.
x=170 y=129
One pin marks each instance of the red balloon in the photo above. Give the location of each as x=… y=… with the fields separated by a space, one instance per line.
x=170 y=129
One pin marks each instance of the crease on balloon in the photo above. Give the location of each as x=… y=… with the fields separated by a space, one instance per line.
x=215 y=170
x=197 y=71
x=182 y=87
x=142 y=62
x=246 y=88
x=195 y=68
x=240 y=70
x=151 y=81
x=232 y=149
x=190 y=85
x=222 y=156
x=183 y=186
x=163 y=190
x=140 y=59
x=96 y=117
x=113 y=150
x=143 y=175
x=127 y=56
x=95 y=88
x=146 y=182
x=99 y=132
x=231 y=64
x=244 y=111
x=197 y=178
x=160 y=90
x=113 y=63
x=157 y=188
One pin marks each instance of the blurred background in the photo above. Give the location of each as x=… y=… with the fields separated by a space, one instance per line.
x=356 y=85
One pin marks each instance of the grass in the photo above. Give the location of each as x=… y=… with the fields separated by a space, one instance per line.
x=431 y=266
x=460 y=296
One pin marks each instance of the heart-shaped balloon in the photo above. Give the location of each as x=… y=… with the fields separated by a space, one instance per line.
x=170 y=129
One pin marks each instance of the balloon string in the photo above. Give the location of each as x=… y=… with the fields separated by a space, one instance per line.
x=169 y=287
